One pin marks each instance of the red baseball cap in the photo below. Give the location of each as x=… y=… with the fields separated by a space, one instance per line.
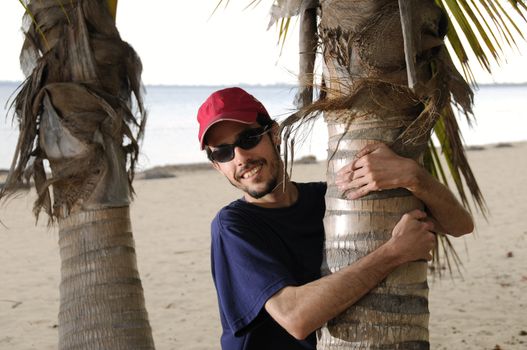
x=233 y=104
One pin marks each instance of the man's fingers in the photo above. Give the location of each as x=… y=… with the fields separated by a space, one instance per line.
x=417 y=214
x=432 y=237
x=354 y=194
x=429 y=225
x=359 y=157
x=360 y=192
x=368 y=149
x=344 y=180
x=345 y=169
x=358 y=163
x=351 y=185
x=359 y=183
x=358 y=174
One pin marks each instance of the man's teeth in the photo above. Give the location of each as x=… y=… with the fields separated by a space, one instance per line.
x=252 y=172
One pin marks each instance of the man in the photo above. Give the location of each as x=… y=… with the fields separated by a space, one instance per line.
x=267 y=246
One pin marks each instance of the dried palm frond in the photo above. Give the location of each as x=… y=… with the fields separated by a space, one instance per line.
x=74 y=109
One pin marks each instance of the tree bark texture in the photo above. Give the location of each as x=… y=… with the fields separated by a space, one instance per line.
x=101 y=297
x=367 y=100
x=393 y=315
x=75 y=116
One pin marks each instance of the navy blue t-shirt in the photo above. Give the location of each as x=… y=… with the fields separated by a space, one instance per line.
x=255 y=253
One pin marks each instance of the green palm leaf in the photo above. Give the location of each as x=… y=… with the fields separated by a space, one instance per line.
x=483 y=25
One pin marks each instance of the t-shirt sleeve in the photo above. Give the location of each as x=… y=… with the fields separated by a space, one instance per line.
x=245 y=271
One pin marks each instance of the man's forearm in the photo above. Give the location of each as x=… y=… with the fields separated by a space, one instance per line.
x=301 y=310
x=377 y=167
x=442 y=205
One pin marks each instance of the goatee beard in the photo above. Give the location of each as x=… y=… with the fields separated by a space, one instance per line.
x=270 y=186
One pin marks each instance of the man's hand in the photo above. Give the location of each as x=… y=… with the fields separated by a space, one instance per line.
x=412 y=238
x=302 y=309
x=377 y=168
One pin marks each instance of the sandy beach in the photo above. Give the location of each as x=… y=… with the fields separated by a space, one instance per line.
x=485 y=308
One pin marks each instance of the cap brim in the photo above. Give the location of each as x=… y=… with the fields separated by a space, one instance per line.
x=231 y=116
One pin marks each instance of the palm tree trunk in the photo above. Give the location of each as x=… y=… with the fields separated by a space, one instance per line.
x=101 y=297
x=394 y=315
x=75 y=113
x=367 y=100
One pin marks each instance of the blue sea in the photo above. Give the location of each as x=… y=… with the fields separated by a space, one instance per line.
x=171 y=132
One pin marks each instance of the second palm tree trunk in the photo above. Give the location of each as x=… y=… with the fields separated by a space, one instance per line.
x=394 y=315
x=102 y=303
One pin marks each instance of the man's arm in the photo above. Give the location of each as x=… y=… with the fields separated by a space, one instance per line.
x=377 y=168
x=301 y=310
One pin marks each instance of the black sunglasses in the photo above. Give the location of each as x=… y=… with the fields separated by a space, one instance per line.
x=247 y=139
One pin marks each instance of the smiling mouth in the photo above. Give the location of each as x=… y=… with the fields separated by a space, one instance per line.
x=251 y=172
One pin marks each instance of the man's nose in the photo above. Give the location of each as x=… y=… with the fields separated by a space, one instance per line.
x=241 y=155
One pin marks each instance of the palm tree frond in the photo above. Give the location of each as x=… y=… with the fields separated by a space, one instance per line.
x=218 y=6
x=433 y=163
x=484 y=25
x=454 y=159
x=284 y=27
x=253 y=4
x=447 y=132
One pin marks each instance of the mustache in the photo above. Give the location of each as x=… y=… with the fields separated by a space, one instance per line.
x=250 y=164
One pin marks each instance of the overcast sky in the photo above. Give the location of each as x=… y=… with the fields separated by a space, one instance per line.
x=179 y=43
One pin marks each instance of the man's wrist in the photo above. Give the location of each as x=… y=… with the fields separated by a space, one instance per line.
x=417 y=177
x=392 y=257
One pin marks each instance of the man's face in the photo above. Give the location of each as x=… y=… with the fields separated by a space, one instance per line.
x=255 y=171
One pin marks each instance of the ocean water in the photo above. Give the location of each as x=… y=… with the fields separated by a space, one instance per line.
x=171 y=132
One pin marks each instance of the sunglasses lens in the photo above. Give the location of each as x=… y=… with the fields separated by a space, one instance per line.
x=246 y=140
x=250 y=139
x=223 y=154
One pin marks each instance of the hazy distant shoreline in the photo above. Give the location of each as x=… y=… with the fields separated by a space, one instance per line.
x=171 y=170
x=170 y=137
